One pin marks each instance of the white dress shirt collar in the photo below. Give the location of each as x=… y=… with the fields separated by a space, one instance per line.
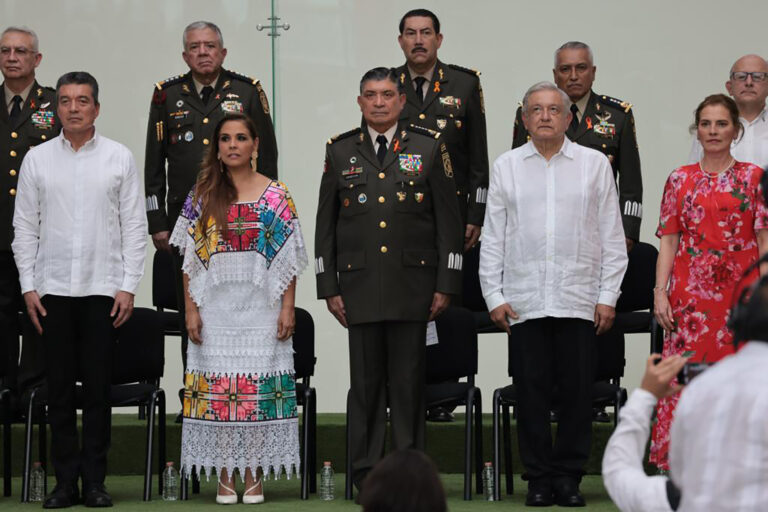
x=389 y=134
x=90 y=143
x=566 y=149
x=199 y=85
x=10 y=94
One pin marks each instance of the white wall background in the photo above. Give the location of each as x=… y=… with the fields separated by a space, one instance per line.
x=662 y=56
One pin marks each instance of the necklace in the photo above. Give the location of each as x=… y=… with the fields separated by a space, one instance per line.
x=730 y=164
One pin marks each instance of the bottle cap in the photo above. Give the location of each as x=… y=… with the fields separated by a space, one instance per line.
x=327 y=463
x=488 y=464
x=169 y=464
x=37 y=464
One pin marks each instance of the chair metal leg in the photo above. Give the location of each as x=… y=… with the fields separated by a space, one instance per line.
x=507 y=436
x=184 y=485
x=468 y=445
x=496 y=403
x=161 y=453
x=150 y=444
x=348 y=479
x=478 y=441
x=27 y=449
x=305 y=445
x=313 y=444
x=7 y=470
x=617 y=408
x=195 y=482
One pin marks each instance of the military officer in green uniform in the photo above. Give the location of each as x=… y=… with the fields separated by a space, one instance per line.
x=388 y=256
x=182 y=116
x=27 y=118
x=602 y=123
x=448 y=99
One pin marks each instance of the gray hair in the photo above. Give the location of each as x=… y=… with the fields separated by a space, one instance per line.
x=576 y=45
x=25 y=30
x=546 y=86
x=201 y=25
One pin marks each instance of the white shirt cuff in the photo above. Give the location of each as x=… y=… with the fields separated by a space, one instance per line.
x=494 y=300
x=608 y=298
x=130 y=284
x=27 y=284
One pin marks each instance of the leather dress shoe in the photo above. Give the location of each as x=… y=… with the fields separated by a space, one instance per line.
x=96 y=496
x=62 y=496
x=567 y=493
x=539 y=494
x=439 y=415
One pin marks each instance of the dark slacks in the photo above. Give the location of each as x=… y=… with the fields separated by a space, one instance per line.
x=548 y=356
x=174 y=210
x=387 y=364
x=79 y=339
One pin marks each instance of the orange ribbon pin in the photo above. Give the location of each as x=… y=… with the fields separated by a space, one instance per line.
x=437 y=86
x=396 y=146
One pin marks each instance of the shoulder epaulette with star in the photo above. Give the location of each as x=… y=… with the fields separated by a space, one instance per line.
x=243 y=78
x=424 y=131
x=613 y=102
x=466 y=70
x=337 y=138
x=170 y=81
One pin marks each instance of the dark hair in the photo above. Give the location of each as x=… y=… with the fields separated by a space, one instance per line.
x=382 y=73
x=78 y=78
x=404 y=481
x=722 y=100
x=214 y=187
x=423 y=13
x=749 y=316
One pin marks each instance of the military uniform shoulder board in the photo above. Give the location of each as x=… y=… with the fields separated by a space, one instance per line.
x=424 y=131
x=243 y=78
x=466 y=70
x=337 y=138
x=616 y=103
x=170 y=81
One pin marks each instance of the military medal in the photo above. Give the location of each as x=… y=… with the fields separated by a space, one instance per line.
x=418 y=196
x=441 y=124
x=44 y=105
x=353 y=159
x=458 y=123
x=410 y=165
x=345 y=202
x=179 y=103
x=352 y=172
x=362 y=198
x=450 y=101
x=401 y=196
x=43 y=119
x=402 y=78
x=604 y=128
x=189 y=136
x=232 y=106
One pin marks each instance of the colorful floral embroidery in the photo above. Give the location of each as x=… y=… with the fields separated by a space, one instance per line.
x=239 y=398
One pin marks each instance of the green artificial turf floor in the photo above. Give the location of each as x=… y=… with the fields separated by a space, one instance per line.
x=283 y=495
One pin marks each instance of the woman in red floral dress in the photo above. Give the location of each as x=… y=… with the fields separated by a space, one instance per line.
x=712 y=227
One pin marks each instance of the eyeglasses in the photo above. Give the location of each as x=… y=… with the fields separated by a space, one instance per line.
x=757 y=76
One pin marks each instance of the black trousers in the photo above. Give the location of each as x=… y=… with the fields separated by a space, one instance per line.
x=79 y=341
x=549 y=355
x=174 y=210
x=387 y=365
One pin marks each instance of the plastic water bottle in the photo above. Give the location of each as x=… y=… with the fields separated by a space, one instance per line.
x=488 y=482
x=37 y=482
x=326 y=482
x=170 y=483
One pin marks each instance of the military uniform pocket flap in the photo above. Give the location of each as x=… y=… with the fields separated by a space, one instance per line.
x=350 y=261
x=419 y=258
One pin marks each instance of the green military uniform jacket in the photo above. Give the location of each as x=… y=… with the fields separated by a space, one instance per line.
x=454 y=107
x=36 y=124
x=609 y=127
x=388 y=236
x=181 y=130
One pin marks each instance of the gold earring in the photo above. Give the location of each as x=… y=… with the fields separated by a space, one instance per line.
x=254 y=161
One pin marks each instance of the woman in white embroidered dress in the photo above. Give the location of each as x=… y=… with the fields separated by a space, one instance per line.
x=243 y=249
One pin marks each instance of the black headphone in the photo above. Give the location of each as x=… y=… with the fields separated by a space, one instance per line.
x=747 y=306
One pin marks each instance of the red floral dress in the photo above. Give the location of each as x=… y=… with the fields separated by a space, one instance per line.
x=716 y=216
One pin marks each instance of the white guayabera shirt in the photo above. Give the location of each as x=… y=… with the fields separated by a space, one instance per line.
x=553 y=242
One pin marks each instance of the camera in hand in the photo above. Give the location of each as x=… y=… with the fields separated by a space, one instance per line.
x=690 y=371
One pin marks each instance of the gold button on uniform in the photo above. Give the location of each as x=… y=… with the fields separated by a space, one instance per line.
x=458 y=192
x=349 y=266
x=423 y=262
x=382 y=224
x=13 y=191
x=422 y=116
x=206 y=142
x=381 y=199
x=13 y=153
x=382 y=175
x=14 y=135
x=383 y=248
x=205 y=120
x=12 y=172
x=44 y=137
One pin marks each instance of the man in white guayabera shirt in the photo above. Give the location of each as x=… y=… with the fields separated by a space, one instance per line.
x=80 y=238
x=551 y=265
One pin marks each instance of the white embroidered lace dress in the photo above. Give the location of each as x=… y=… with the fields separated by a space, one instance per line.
x=240 y=393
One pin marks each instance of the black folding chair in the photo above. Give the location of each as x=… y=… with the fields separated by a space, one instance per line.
x=7 y=412
x=306 y=396
x=138 y=361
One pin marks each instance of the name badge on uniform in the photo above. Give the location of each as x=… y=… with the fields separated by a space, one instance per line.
x=179 y=115
x=604 y=128
x=352 y=173
x=450 y=101
x=410 y=165
x=232 y=106
x=43 y=119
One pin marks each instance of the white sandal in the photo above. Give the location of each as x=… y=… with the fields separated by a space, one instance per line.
x=253 y=499
x=226 y=499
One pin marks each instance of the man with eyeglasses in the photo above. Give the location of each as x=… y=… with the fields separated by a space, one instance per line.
x=748 y=85
x=551 y=264
x=27 y=119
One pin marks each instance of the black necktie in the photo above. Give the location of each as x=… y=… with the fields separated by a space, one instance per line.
x=574 y=120
x=382 y=151
x=206 y=94
x=420 y=87
x=15 y=109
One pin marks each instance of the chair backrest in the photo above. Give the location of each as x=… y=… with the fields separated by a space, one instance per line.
x=304 y=345
x=455 y=356
x=140 y=348
x=637 y=287
x=163 y=281
x=472 y=294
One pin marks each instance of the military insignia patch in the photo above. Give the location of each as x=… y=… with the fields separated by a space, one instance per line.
x=441 y=124
x=410 y=164
x=482 y=100
x=43 y=119
x=179 y=115
x=401 y=196
x=458 y=123
x=447 y=166
x=604 y=128
x=419 y=196
x=450 y=101
x=362 y=198
x=232 y=106
x=189 y=136
x=263 y=98
x=352 y=173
